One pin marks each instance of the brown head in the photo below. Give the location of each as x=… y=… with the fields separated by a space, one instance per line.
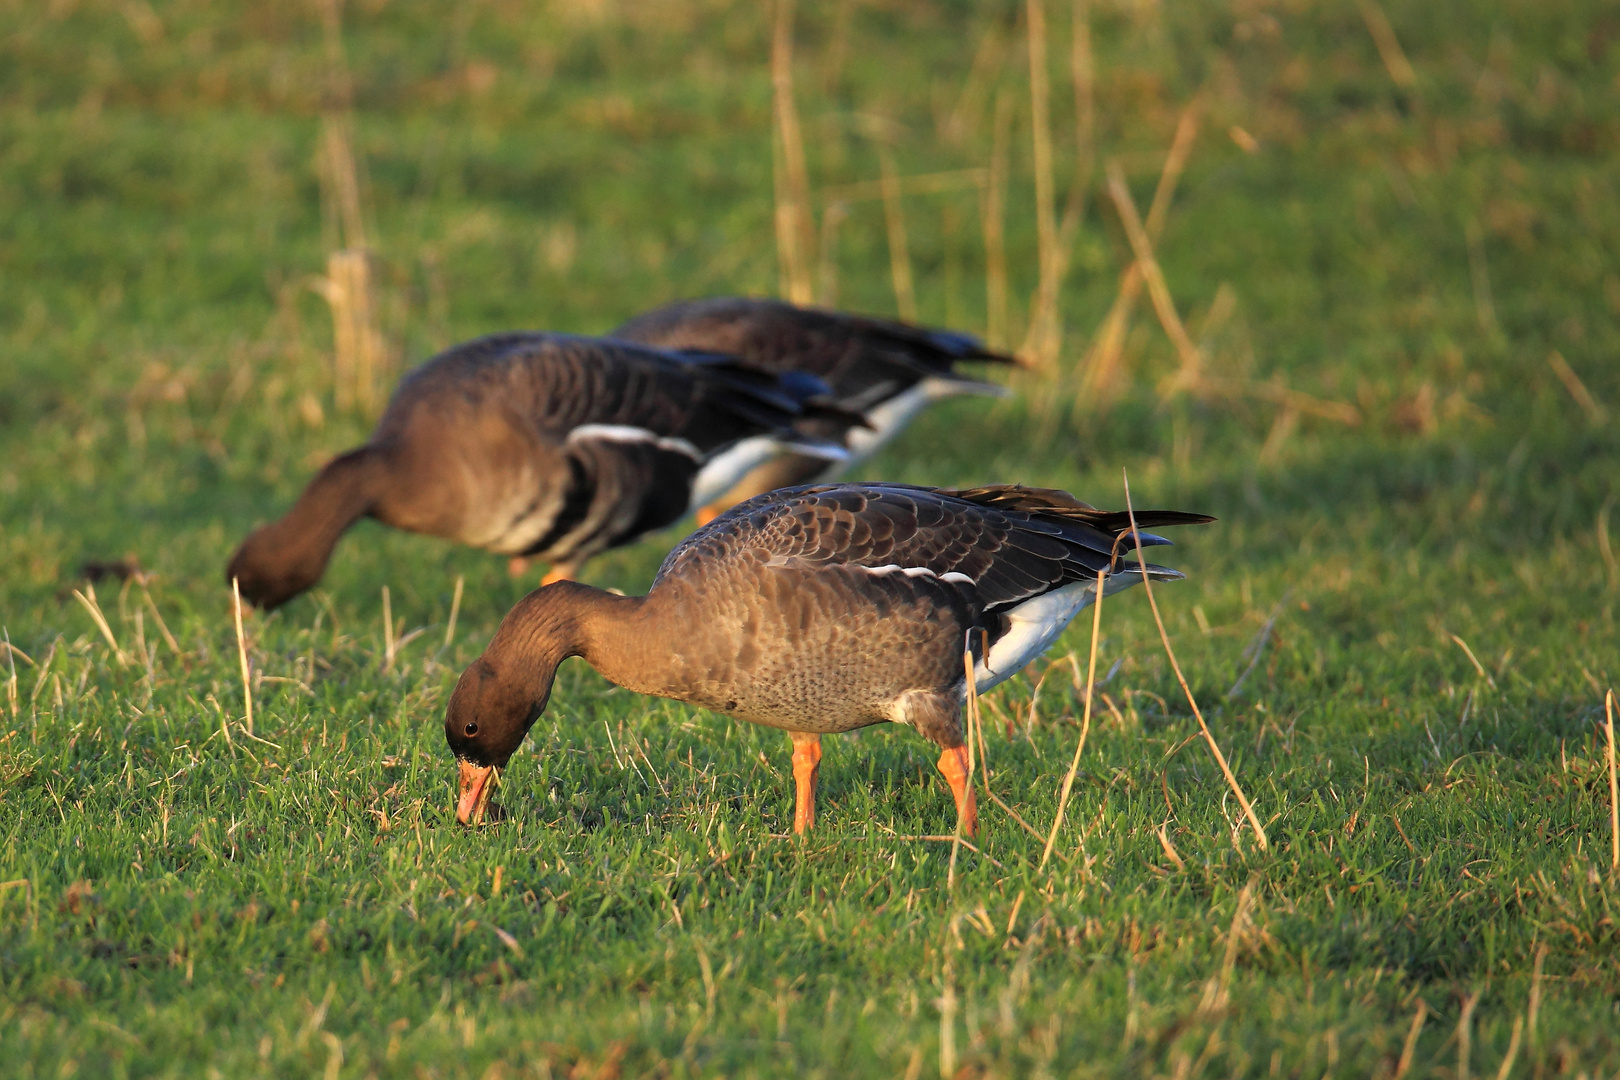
x=282 y=559
x=500 y=696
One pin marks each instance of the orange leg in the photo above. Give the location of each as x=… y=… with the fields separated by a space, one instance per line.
x=518 y=565
x=806 y=765
x=558 y=572
x=707 y=514
x=953 y=764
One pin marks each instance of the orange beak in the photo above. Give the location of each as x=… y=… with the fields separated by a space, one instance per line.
x=475 y=792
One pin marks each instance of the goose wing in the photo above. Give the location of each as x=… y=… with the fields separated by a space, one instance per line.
x=623 y=390
x=865 y=360
x=1008 y=544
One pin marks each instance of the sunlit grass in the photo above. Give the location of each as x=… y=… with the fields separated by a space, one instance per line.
x=300 y=901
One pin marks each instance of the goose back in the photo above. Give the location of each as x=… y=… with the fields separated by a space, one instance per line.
x=831 y=607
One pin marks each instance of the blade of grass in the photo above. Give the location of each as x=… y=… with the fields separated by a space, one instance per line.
x=1103 y=358
x=894 y=220
x=455 y=609
x=1614 y=786
x=794 y=229
x=1164 y=304
x=1085 y=724
x=1164 y=636
x=993 y=214
x=241 y=653
x=88 y=602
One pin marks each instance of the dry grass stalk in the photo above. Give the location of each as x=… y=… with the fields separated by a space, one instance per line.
x=1083 y=74
x=1534 y=1009
x=986 y=60
x=360 y=356
x=1288 y=399
x=934 y=183
x=1175 y=665
x=1389 y=47
x=163 y=628
x=1512 y=1050
x=1085 y=724
x=1217 y=992
x=972 y=717
x=1192 y=362
x=455 y=609
x=984 y=779
x=947 y=1005
x=1283 y=427
x=1409 y=1048
x=1103 y=359
x=894 y=218
x=993 y=213
x=1614 y=785
x=1465 y=1034
x=241 y=653
x=795 y=232
x=1043 y=309
x=342 y=178
x=88 y=602
x=388 y=631
x=1611 y=564
x=1595 y=412
x=1479 y=273
x=12 y=652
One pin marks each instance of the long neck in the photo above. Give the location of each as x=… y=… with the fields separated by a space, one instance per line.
x=612 y=633
x=341 y=493
x=287 y=556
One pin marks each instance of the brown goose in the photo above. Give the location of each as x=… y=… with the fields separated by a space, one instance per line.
x=540 y=444
x=816 y=610
x=888 y=371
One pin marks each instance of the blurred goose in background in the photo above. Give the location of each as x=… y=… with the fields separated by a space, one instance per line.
x=816 y=610
x=888 y=371
x=543 y=445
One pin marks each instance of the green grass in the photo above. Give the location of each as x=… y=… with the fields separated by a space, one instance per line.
x=302 y=903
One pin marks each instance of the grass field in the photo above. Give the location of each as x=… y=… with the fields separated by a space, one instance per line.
x=1413 y=223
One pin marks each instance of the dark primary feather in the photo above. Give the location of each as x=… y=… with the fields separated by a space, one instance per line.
x=864 y=359
x=1014 y=543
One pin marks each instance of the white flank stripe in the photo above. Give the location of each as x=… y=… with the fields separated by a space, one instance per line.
x=625 y=433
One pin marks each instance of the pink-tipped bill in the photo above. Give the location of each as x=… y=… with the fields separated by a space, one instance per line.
x=476 y=788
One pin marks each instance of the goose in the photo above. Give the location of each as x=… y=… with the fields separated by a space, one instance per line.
x=544 y=445
x=888 y=371
x=816 y=609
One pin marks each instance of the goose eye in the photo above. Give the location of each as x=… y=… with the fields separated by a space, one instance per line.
x=472 y=728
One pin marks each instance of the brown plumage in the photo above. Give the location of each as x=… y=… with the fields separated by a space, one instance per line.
x=816 y=610
x=537 y=444
x=886 y=370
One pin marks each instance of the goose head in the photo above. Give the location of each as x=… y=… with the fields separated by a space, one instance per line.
x=502 y=693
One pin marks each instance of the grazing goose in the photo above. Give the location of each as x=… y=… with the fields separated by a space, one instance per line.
x=547 y=445
x=888 y=371
x=816 y=610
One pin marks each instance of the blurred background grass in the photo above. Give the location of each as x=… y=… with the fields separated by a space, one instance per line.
x=1394 y=250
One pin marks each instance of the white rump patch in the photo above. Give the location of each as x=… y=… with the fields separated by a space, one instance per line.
x=1036 y=623
x=721 y=472
x=626 y=433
